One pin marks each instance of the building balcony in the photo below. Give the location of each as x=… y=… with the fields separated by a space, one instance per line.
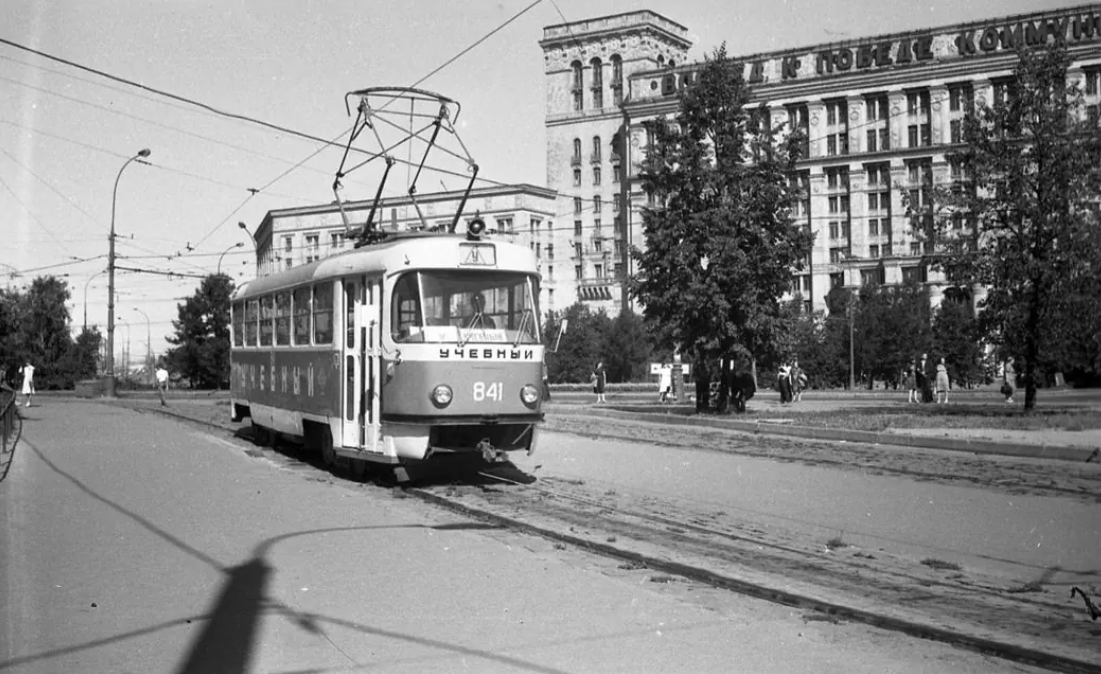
x=595 y=158
x=575 y=160
x=616 y=159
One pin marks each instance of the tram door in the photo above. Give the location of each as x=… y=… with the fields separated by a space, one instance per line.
x=361 y=355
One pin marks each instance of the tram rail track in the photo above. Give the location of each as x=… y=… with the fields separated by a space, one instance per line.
x=1019 y=624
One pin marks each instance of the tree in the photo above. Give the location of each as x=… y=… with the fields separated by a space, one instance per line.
x=891 y=329
x=581 y=347
x=956 y=337
x=1020 y=224
x=201 y=353
x=721 y=246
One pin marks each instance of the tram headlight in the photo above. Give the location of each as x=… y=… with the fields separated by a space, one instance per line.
x=475 y=228
x=530 y=395
x=442 y=395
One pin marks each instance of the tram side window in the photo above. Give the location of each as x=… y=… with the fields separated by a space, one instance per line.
x=252 y=312
x=301 y=309
x=323 y=313
x=238 y=324
x=267 y=314
x=283 y=319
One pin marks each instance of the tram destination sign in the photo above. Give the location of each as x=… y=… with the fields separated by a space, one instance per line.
x=477 y=255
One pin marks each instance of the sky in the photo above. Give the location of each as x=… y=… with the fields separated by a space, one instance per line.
x=65 y=133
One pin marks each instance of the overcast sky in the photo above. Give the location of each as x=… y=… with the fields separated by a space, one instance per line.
x=65 y=133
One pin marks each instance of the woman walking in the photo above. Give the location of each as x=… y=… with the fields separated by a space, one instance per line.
x=942 y=381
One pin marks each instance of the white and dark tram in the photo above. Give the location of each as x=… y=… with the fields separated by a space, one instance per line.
x=395 y=352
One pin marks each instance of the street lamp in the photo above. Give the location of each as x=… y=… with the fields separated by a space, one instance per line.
x=110 y=365
x=86 y=284
x=236 y=245
x=255 y=247
x=849 y=259
x=126 y=353
x=148 y=341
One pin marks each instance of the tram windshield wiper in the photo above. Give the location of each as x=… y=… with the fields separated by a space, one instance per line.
x=520 y=328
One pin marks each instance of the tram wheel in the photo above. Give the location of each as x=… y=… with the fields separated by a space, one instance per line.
x=262 y=436
x=328 y=453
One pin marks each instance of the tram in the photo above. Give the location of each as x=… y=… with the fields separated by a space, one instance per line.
x=412 y=345
x=394 y=352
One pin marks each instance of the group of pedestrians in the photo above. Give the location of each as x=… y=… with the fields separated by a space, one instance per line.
x=791 y=381
x=927 y=384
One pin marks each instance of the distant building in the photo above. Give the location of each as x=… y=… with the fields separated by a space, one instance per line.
x=882 y=114
x=524 y=213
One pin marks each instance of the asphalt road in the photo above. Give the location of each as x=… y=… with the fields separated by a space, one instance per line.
x=134 y=543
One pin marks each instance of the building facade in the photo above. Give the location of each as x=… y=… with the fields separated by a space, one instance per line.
x=882 y=115
x=290 y=237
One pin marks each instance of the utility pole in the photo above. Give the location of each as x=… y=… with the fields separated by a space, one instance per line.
x=109 y=366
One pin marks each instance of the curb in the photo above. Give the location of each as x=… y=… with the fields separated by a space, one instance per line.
x=1041 y=451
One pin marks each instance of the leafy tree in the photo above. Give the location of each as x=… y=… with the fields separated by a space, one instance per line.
x=956 y=338
x=581 y=346
x=1022 y=223
x=201 y=353
x=721 y=247
x=891 y=328
x=44 y=334
x=627 y=348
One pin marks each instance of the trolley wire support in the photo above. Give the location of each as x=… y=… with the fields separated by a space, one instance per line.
x=429 y=120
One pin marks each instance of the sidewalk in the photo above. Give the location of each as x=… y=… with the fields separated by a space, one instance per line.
x=769 y=416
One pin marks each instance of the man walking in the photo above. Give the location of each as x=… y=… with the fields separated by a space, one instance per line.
x=162 y=384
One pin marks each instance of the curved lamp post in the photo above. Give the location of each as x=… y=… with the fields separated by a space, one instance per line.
x=236 y=245
x=148 y=342
x=110 y=365
x=255 y=247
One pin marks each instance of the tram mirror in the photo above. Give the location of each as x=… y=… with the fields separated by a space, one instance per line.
x=561 y=331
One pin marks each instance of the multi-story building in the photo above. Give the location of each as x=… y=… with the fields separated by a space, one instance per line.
x=525 y=213
x=882 y=116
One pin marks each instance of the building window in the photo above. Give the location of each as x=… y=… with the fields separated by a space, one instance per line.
x=504 y=225
x=597 y=204
x=598 y=245
x=578 y=85
x=577 y=205
x=577 y=177
x=550 y=251
x=578 y=250
x=578 y=272
x=596 y=149
x=577 y=150
x=1093 y=81
x=837 y=128
x=835 y=255
x=336 y=240
x=873 y=226
x=288 y=244
x=615 y=203
x=799 y=120
x=960 y=97
x=596 y=175
x=598 y=83
x=577 y=228
x=616 y=174
x=596 y=224
x=598 y=271
x=956 y=130
x=873 y=251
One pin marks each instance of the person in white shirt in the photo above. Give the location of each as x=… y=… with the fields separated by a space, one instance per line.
x=162 y=383
x=28 y=382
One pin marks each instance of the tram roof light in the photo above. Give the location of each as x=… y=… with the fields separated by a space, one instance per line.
x=475 y=228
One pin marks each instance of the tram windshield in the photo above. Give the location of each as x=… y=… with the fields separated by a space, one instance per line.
x=465 y=306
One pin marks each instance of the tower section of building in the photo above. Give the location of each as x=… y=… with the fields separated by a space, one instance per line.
x=589 y=66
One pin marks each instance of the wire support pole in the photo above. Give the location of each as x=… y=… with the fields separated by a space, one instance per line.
x=109 y=366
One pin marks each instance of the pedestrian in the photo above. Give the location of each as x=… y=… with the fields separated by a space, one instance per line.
x=942 y=381
x=28 y=382
x=922 y=377
x=1009 y=377
x=162 y=383
x=600 y=380
x=665 y=382
x=798 y=381
x=783 y=382
x=910 y=382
